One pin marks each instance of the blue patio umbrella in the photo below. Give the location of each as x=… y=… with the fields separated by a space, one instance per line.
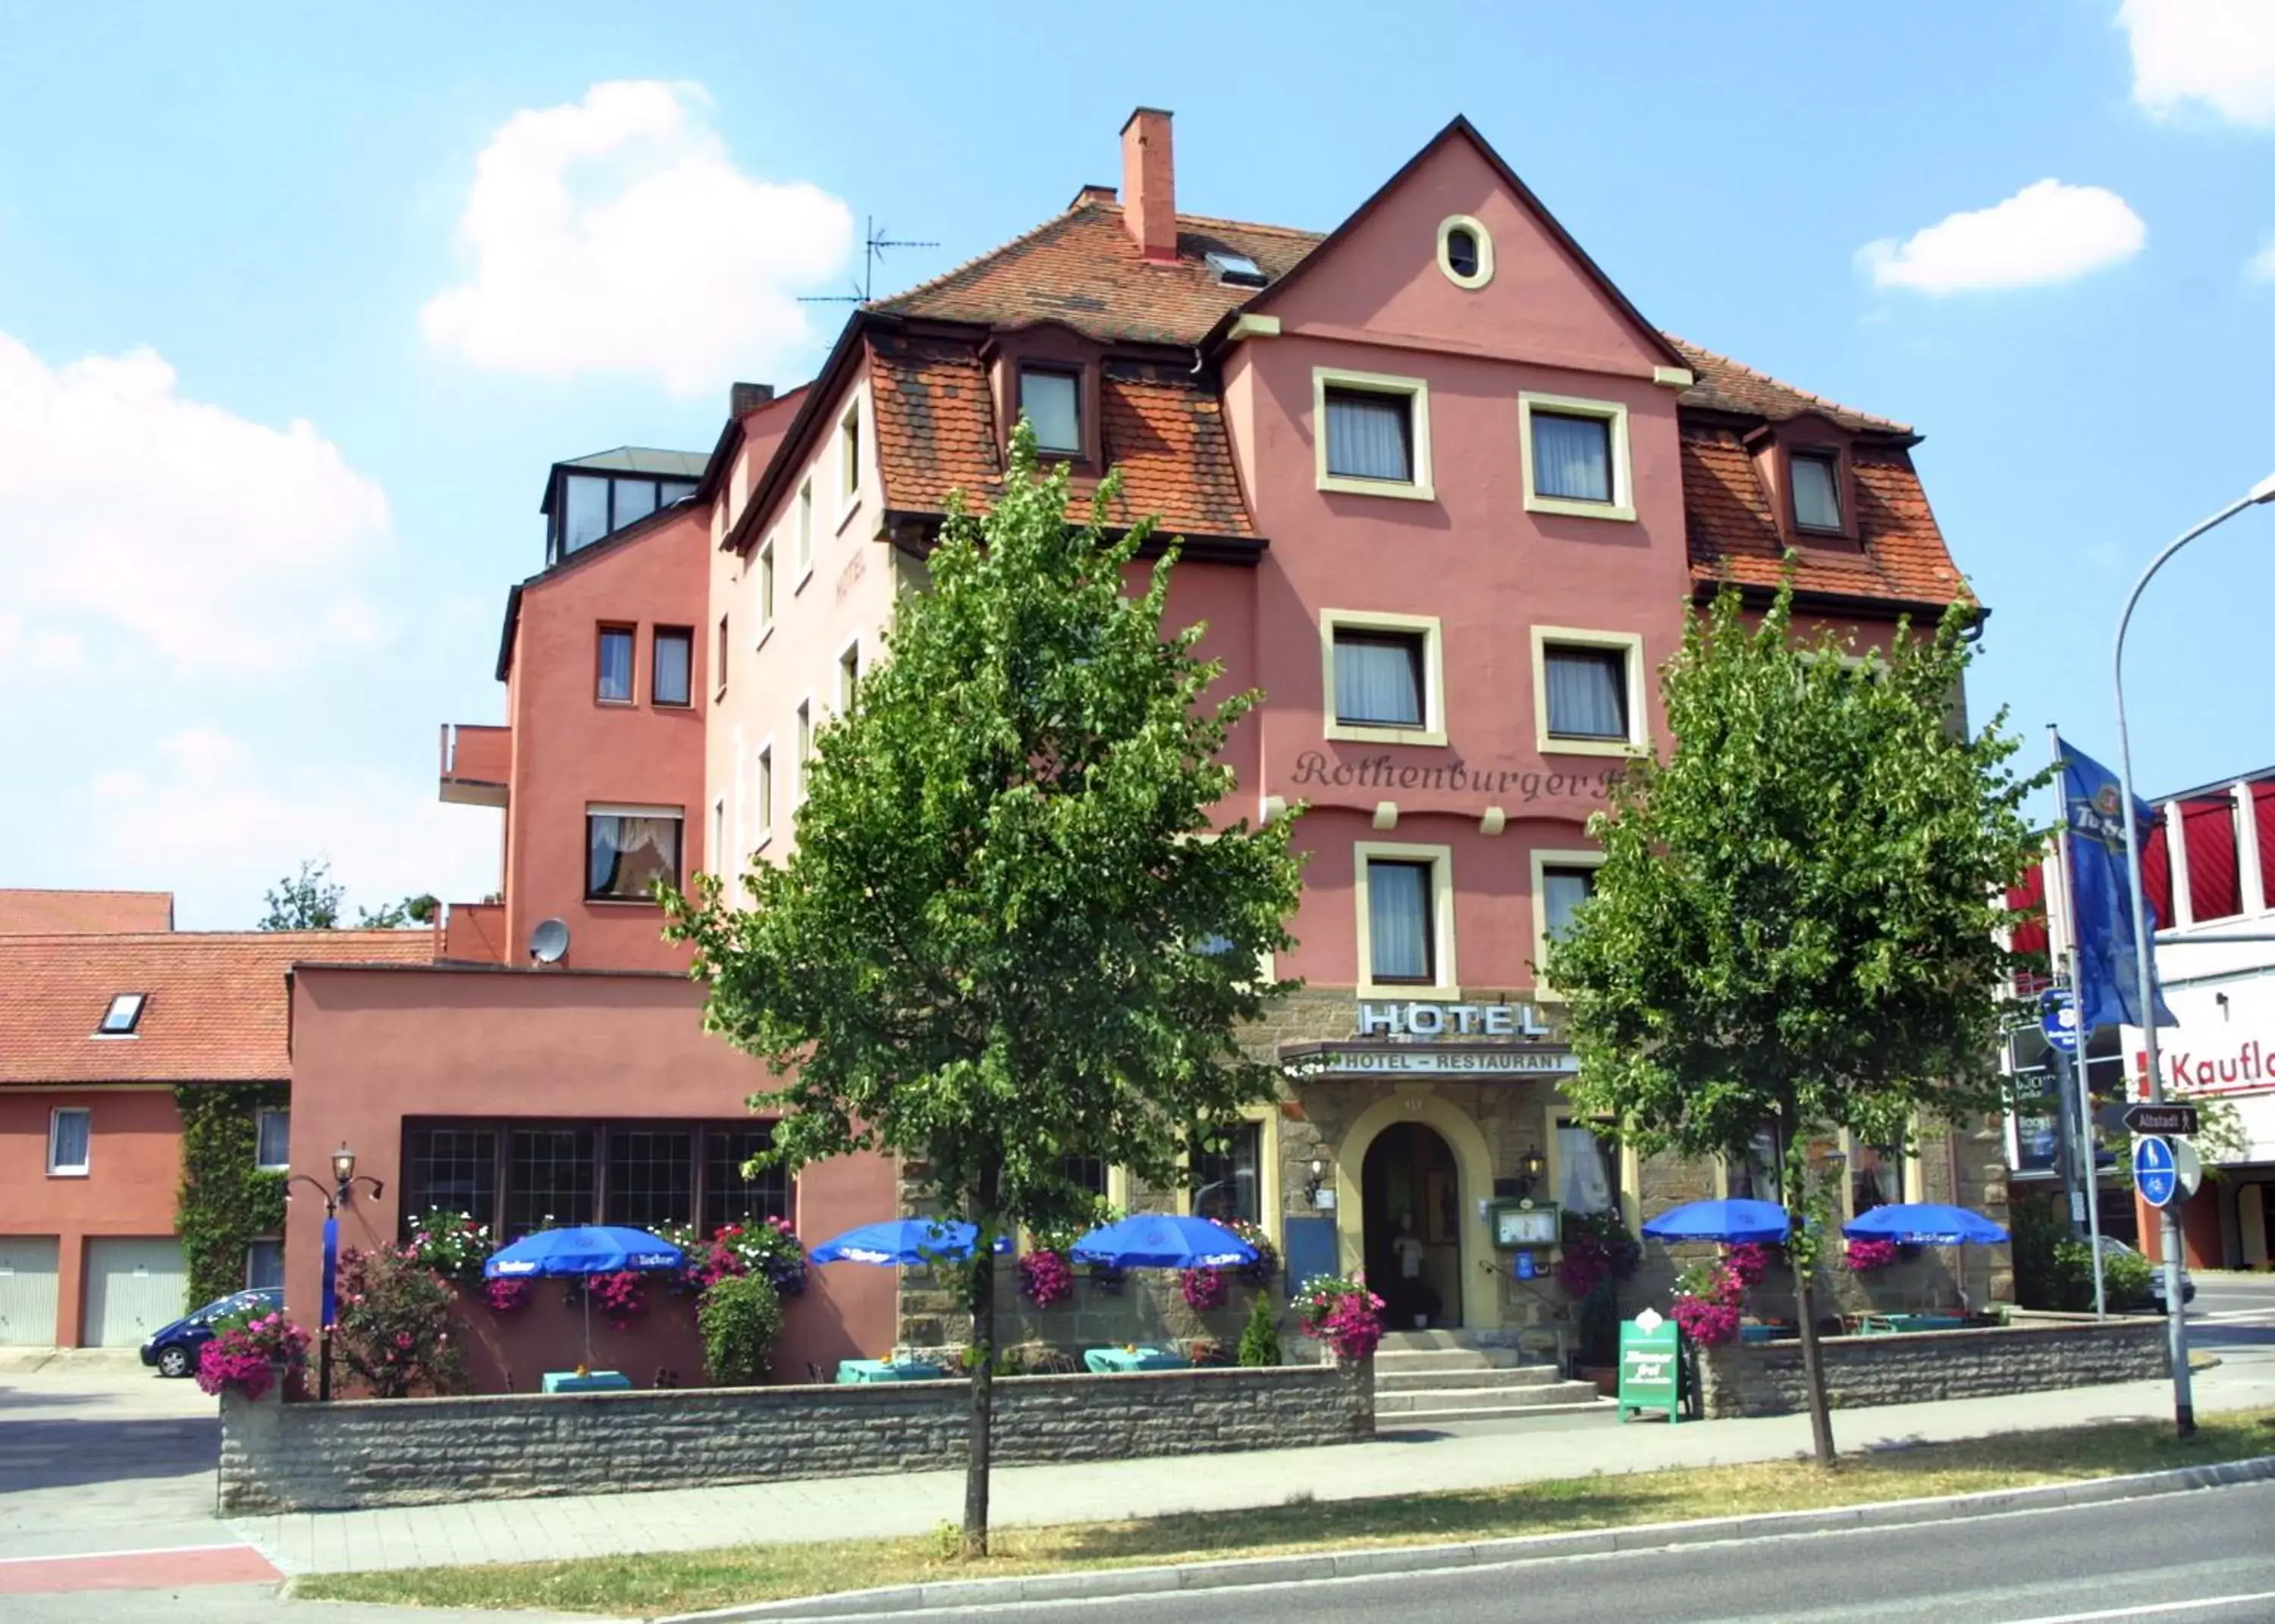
x=1164 y=1241
x=908 y=1241
x=583 y=1248
x=580 y=1250
x=1735 y=1221
x=1925 y=1223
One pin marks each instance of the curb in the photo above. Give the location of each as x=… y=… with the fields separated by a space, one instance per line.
x=1099 y=1584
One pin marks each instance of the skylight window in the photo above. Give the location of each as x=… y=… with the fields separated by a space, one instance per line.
x=1235 y=269
x=118 y=1020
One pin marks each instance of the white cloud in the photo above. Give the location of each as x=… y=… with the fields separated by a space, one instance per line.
x=2047 y=232
x=616 y=235
x=218 y=542
x=2261 y=266
x=208 y=818
x=2221 y=53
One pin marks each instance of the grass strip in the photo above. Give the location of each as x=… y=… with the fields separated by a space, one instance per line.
x=678 y=1581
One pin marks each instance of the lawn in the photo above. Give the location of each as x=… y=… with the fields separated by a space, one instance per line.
x=675 y=1582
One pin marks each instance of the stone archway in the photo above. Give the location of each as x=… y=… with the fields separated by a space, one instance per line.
x=1480 y=1296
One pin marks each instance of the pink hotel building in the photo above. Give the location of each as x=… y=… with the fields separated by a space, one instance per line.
x=1444 y=493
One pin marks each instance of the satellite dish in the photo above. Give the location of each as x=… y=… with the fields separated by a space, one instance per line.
x=548 y=943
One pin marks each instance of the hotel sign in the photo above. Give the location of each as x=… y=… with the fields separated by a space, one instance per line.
x=1420 y=1038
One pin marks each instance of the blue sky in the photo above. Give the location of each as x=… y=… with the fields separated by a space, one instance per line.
x=295 y=312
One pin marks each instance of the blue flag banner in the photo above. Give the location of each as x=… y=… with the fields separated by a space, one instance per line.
x=331 y=1273
x=2108 y=968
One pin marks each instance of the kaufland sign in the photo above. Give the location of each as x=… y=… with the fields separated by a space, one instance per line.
x=2223 y=1048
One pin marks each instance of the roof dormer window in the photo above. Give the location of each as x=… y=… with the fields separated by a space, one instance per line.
x=120 y=1020
x=1816 y=491
x=1235 y=271
x=1051 y=399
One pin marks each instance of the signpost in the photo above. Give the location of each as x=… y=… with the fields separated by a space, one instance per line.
x=1651 y=1366
x=2188 y=1167
x=2155 y=1173
x=2162 y=1119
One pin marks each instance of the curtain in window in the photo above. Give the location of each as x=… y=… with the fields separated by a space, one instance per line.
x=70 y=1135
x=1587 y=693
x=626 y=856
x=1048 y=398
x=1225 y=1182
x=1398 y=920
x=1755 y=1175
x=1565 y=889
x=1571 y=458
x=674 y=653
x=1586 y=1184
x=1876 y=1177
x=1816 y=492
x=1378 y=680
x=264 y=1265
x=616 y=665
x=1367 y=437
x=272 y=1133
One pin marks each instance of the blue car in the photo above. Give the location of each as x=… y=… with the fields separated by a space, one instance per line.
x=174 y=1349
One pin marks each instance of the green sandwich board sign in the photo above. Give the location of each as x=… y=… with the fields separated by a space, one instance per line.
x=1650 y=1358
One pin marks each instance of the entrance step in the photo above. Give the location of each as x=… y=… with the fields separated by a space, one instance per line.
x=1387 y=1359
x=1424 y=1341
x=1400 y=1421
x=1401 y=1377
x=1475 y=1404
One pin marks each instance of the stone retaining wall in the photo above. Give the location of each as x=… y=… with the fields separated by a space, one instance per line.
x=407 y=1452
x=1765 y=1378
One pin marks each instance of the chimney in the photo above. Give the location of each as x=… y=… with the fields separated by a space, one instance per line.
x=1149 y=185
x=744 y=398
x=1093 y=195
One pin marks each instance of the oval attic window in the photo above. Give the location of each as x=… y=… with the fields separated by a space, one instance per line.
x=1461 y=252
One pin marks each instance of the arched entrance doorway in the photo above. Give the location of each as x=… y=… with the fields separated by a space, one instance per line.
x=1411 y=1211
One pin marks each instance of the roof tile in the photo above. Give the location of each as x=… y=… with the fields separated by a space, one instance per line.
x=216 y=1010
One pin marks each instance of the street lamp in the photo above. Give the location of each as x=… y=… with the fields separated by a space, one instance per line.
x=341 y=1193
x=2184 y=1409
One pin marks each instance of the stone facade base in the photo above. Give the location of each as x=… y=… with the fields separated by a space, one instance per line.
x=1765 y=1378
x=410 y=1452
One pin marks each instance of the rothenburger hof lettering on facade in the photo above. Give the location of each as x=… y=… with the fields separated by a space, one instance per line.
x=1380 y=771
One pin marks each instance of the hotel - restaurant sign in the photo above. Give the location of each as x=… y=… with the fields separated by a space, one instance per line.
x=1419 y=1039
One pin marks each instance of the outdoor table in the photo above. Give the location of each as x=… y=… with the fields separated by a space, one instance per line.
x=851 y=1371
x=594 y=1381
x=1113 y=1361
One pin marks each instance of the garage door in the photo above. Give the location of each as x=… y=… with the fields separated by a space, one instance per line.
x=28 y=1291
x=133 y=1288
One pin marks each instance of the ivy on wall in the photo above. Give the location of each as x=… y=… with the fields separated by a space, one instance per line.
x=224 y=1200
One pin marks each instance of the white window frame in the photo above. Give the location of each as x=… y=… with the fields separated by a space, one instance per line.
x=1432 y=730
x=268 y=1111
x=627 y=809
x=58 y=1170
x=1448 y=983
x=766 y=574
x=1416 y=393
x=251 y=1240
x=1621 y=506
x=1627 y=643
x=805 y=535
x=718 y=835
x=1545 y=858
x=849 y=462
x=845 y=691
x=762 y=792
x=802 y=746
x=1447 y=227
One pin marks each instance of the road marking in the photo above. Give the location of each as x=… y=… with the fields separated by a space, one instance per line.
x=2150 y=1610
x=164 y=1568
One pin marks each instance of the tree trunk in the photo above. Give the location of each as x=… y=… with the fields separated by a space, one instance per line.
x=1812 y=1361
x=980 y=1448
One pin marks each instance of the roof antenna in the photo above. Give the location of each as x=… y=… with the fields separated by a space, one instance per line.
x=872 y=250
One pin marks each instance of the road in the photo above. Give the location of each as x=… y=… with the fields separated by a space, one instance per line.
x=2200 y=1558
x=2233 y=1311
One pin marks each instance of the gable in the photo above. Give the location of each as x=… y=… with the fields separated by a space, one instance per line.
x=1546 y=303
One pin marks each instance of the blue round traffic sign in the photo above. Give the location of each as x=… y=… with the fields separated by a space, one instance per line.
x=2155 y=1174
x=2058 y=1016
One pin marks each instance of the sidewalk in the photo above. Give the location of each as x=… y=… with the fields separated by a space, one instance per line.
x=1417 y=1464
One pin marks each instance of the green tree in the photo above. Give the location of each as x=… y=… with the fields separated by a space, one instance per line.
x=307 y=901
x=1008 y=934
x=410 y=910
x=1795 y=927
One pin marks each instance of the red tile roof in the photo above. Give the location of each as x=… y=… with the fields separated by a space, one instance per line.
x=68 y=913
x=1733 y=534
x=216 y=1010
x=936 y=428
x=936 y=434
